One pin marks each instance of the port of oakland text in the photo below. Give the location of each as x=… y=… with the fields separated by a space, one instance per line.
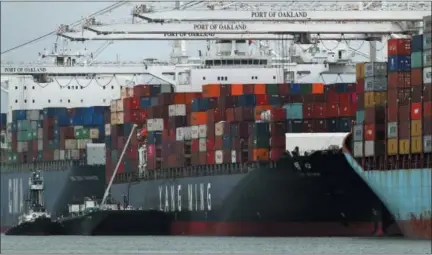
x=196 y=196
x=189 y=35
x=220 y=27
x=24 y=70
x=280 y=15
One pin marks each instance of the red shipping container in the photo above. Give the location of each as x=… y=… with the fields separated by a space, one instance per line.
x=261 y=99
x=307 y=111
x=277 y=129
x=131 y=103
x=210 y=143
x=427 y=126
x=404 y=96
x=283 y=89
x=218 y=145
x=417 y=76
x=392 y=113
x=195 y=145
x=248 y=88
x=277 y=142
x=404 y=113
x=121 y=169
x=374 y=132
x=132 y=152
x=230 y=116
x=416 y=111
x=219 y=115
x=359 y=102
x=427 y=92
x=345 y=98
x=319 y=111
x=48 y=155
x=404 y=129
x=276 y=153
x=399 y=80
x=141 y=90
x=399 y=47
x=332 y=110
x=203 y=158
x=375 y=115
x=307 y=126
x=416 y=93
x=332 y=97
x=360 y=86
x=319 y=126
x=427 y=109
x=210 y=158
x=277 y=114
x=347 y=110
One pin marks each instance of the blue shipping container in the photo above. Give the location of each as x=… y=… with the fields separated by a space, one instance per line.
x=417 y=43
x=155 y=90
x=333 y=125
x=399 y=63
x=62 y=120
x=226 y=142
x=261 y=129
x=154 y=137
x=18 y=115
x=295 y=88
x=145 y=102
x=274 y=100
x=345 y=124
x=360 y=116
x=247 y=100
x=294 y=111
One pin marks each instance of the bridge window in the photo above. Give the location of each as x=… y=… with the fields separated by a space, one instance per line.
x=25 y=100
x=49 y=100
x=112 y=87
x=16 y=87
x=68 y=100
x=274 y=77
x=244 y=61
x=237 y=62
x=230 y=62
x=82 y=101
x=16 y=101
x=25 y=87
x=104 y=87
x=33 y=100
x=204 y=78
x=61 y=100
x=33 y=87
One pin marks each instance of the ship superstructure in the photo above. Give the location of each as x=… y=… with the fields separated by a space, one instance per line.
x=238 y=52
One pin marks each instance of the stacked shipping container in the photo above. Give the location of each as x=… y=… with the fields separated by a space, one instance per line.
x=3 y=152
x=54 y=134
x=228 y=123
x=396 y=116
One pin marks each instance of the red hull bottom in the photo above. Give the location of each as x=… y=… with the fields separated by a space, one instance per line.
x=278 y=229
x=417 y=229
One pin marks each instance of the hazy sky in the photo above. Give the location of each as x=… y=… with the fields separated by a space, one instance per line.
x=21 y=22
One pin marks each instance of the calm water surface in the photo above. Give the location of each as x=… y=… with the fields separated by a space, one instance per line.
x=228 y=245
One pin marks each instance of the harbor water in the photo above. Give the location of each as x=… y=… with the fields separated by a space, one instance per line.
x=210 y=245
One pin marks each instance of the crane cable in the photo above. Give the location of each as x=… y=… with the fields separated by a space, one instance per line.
x=109 y=8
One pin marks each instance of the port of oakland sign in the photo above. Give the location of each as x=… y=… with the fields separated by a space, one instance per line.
x=220 y=27
x=280 y=14
x=189 y=35
x=18 y=70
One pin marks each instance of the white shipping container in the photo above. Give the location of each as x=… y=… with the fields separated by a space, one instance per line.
x=358 y=149
x=95 y=154
x=219 y=157
x=67 y=154
x=266 y=115
x=75 y=154
x=155 y=125
x=62 y=155
x=427 y=143
x=427 y=75
x=358 y=132
x=123 y=92
x=108 y=129
x=195 y=132
x=129 y=92
x=202 y=131
x=120 y=118
x=369 y=148
x=71 y=144
x=180 y=134
x=120 y=106
x=233 y=156
x=171 y=110
x=40 y=145
x=113 y=106
x=94 y=133
x=202 y=144
x=56 y=154
x=40 y=133
x=187 y=133
x=22 y=146
x=113 y=118
x=81 y=143
x=219 y=128
x=32 y=114
x=180 y=110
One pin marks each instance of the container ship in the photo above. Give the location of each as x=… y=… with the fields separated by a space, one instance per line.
x=215 y=156
x=392 y=145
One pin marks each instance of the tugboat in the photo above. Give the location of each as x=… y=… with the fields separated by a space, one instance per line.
x=36 y=220
x=110 y=218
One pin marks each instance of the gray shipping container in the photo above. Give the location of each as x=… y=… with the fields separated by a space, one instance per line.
x=32 y=114
x=427 y=24
x=427 y=41
x=358 y=149
x=392 y=130
x=375 y=69
x=427 y=143
x=95 y=154
x=427 y=61
x=375 y=84
x=358 y=133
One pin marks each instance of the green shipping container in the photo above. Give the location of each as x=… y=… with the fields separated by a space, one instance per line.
x=127 y=128
x=261 y=142
x=53 y=144
x=306 y=88
x=23 y=136
x=416 y=60
x=272 y=89
x=23 y=125
x=12 y=157
x=40 y=156
x=114 y=157
x=82 y=133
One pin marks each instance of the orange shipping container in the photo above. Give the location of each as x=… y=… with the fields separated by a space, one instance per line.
x=417 y=76
x=189 y=96
x=211 y=90
x=179 y=98
x=260 y=154
x=259 y=109
x=260 y=89
x=236 y=89
x=317 y=88
x=198 y=118
x=427 y=109
x=360 y=72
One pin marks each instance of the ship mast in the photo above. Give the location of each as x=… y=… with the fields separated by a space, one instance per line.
x=36 y=192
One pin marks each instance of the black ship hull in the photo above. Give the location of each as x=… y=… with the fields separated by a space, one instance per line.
x=121 y=222
x=65 y=183
x=316 y=195
x=41 y=227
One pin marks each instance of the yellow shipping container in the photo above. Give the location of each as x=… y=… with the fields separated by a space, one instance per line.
x=120 y=106
x=360 y=72
x=120 y=118
x=94 y=133
x=375 y=98
x=404 y=146
x=416 y=128
x=113 y=118
x=392 y=146
x=113 y=106
x=416 y=144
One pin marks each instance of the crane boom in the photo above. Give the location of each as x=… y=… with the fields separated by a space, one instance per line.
x=347 y=16
x=242 y=28
x=87 y=36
